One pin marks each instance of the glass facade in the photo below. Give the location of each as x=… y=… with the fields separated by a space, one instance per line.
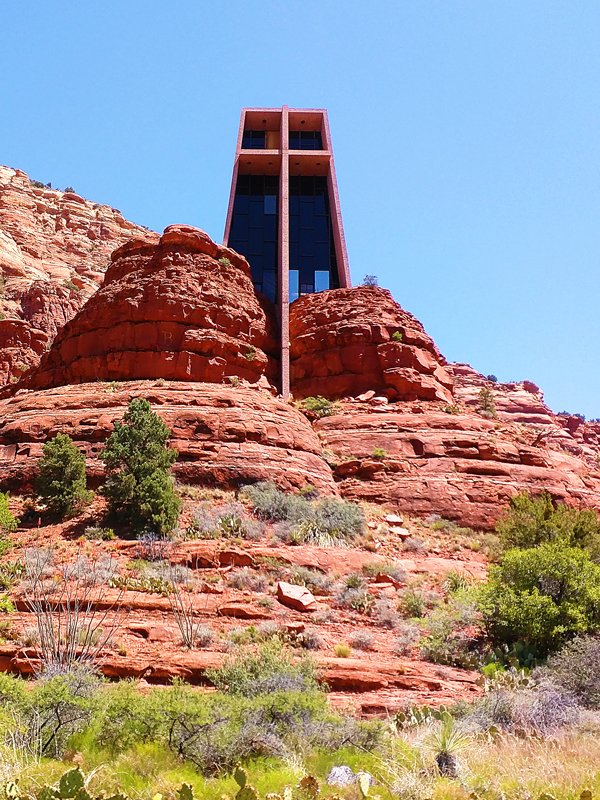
x=254 y=228
x=254 y=140
x=313 y=266
x=306 y=140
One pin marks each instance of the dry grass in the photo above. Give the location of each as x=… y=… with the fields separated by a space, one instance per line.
x=510 y=767
x=563 y=766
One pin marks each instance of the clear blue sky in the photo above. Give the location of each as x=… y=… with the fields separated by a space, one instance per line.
x=469 y=183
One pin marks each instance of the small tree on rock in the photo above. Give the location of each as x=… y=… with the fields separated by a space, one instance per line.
x=139 y=486
x=61 y=480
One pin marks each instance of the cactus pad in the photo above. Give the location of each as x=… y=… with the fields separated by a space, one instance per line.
x=70 y=783
x=186 y=792
x=247 y=792
x=240 y=775
x=363 y=782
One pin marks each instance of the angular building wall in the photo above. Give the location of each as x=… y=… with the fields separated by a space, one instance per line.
x=284 y=213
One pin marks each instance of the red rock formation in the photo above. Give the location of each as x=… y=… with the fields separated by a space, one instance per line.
x=461 y=466
x=21 y=346
x=225 y=436
x=183 y=309
x=54 y=248
x=341 y=345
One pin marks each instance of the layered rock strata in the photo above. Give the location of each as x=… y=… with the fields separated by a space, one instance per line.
x=348 y=341
x=460 y=466
x=54 y=249
x=182 y=309
x=225 y=436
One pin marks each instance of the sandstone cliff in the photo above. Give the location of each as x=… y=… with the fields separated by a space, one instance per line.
x=177 y=317
x=181 y=309
x=54 y=249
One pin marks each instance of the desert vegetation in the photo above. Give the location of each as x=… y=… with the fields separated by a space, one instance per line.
x=210 y=565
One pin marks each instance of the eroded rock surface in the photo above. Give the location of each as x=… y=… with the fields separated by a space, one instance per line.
x=184 y=309
x=225 y=436
x=342 y=344
x=461 y=466
x=54 y=249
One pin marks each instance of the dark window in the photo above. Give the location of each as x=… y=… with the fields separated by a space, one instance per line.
x=306 y=140
x=254 y=228
x=254 y=140
x=312 y=249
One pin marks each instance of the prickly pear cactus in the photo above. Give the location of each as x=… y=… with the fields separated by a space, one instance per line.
x=273 y=796
x=240 y=775
x=247 y=792
x=83 y=794
x=309 y=785
x=70 y=783
x=118 y=796
x=186 y=792
x=363 y=781
x=48 y=793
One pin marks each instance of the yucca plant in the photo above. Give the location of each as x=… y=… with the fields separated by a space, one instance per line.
x=446 y=743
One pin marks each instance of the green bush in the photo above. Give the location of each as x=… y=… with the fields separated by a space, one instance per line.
x=8 y=522
x=139 y=486
x=324 y=522
x=530 y=521
x=61 y=481
x=320 y=406
x=271 y=669
x=486 y=404
x=542 y=596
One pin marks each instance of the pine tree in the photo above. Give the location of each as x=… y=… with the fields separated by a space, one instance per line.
x=139 y=486
x=61 y=480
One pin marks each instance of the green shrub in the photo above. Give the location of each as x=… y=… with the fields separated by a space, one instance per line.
x=250 y=353
x=139 y=486
x=6 y=605
x=379 y=453
x=61 y=478
x=324 y=522
x=397 y=336
x=273 y=504
x=229 y=521
x=271 y=669
x=342 y=650
x=454 y=633
x=486 y=404
x=530 y=521
x=542 y=596
x=224 y=262
x=320 y=406
x=99 y=534
x=8 y=522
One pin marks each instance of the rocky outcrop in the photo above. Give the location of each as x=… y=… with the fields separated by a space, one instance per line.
x=183 y=309
x=54 y=249
x=225 y=436
x=21 y=347
x=462 y=466
x=523 y=403
x=348 y=341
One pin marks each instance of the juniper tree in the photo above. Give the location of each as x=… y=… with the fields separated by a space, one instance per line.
x=138 y=460
x=61 y=480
